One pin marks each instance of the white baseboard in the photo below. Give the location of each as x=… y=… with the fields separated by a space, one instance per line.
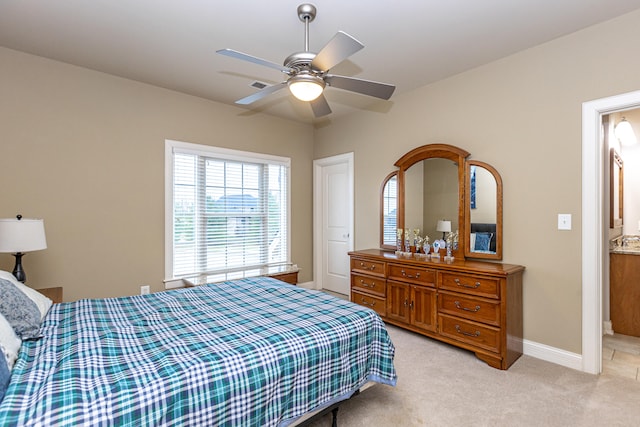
x=607 y=327
x=552 y=354
x=307 y=285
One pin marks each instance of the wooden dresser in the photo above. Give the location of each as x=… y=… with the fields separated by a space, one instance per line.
x=470 y=304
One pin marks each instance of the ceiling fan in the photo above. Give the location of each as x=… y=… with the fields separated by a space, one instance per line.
x=308 y=72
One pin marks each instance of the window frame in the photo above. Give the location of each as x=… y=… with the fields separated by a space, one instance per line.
x=220 y=153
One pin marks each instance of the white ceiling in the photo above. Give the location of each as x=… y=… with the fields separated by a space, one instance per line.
x=172 y=43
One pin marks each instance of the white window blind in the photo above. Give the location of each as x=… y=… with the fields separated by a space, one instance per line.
x=229 y=210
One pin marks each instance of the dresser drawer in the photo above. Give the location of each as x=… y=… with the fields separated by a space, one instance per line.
x=369 y=284
x=368 y=267
x=473 y=333
x=379 y=305
x=416 y=275
x=480 y=286
x=476 y=309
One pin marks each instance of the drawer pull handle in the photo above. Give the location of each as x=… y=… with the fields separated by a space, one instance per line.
x=469 y=334
x=367 y=285
x=408 y=276
x=368 y=304
x=459 y=283
x=459 y=306
x=364 y=266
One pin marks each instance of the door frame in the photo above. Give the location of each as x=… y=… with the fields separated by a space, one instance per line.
x=593 y=229
x=318 y=209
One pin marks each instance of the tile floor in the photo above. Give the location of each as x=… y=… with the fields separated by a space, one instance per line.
x=621 y=356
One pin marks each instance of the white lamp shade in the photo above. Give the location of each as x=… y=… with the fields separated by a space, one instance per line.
x=444 y=226
x=24 y=235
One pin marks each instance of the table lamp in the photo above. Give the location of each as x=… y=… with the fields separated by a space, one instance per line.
x=21 y=235
x=444 y=226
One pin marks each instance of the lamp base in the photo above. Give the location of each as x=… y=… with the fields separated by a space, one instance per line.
x=18 y=272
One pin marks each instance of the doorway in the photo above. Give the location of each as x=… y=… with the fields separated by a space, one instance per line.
x=594 y=233
x=333 y=223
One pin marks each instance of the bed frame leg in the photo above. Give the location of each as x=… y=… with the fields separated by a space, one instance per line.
x=335 y=417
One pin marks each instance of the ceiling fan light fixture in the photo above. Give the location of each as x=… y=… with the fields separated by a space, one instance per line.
x=306 y=87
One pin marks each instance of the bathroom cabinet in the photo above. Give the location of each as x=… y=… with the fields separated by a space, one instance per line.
x=624 y=285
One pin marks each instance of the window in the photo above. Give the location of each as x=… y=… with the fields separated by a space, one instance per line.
x=227 y=211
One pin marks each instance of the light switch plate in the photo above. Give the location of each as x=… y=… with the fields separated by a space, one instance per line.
x=564 y=221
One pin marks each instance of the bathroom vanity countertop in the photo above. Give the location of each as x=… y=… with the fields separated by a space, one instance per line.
x=625 y=251
x=628 y=245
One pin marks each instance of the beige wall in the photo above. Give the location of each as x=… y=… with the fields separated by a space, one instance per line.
x=85 y=151
x=522 y=115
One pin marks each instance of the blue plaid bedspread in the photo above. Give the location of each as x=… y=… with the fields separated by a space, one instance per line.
x=251 y=352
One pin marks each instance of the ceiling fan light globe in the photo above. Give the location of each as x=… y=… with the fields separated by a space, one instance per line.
x=306 y=88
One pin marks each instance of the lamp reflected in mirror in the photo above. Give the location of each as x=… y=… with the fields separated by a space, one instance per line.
x=444 y=227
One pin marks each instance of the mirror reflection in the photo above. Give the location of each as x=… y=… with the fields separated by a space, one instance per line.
x=389 y=204
x=616 y=189
x=431 y=195
x=482 y=210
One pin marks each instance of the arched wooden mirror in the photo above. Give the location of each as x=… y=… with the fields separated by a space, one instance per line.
x=483 y=211
x=431 y=187
x=389 y=211
x=437 y=182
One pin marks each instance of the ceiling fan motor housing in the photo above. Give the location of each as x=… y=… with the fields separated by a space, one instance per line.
x=300 y=61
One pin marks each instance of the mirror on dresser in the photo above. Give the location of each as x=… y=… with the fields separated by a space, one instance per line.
x=483 y=211
x=437 y=182
x=431 y=189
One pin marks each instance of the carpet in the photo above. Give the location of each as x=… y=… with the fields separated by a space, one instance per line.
x=441 y=385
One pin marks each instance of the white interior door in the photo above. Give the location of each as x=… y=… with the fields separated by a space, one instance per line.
x=333 y=222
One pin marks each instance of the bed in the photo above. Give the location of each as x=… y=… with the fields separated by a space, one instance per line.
x=483 y=237
x=249 y=352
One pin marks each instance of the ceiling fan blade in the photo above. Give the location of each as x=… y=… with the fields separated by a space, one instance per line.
x=365 y=87
x=246 y=57
x=320 y=106
x=261 y=94
x=339 y=48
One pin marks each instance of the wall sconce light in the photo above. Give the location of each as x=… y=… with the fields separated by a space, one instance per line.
x=444 y=226
x=18 y=236
x=624 y=132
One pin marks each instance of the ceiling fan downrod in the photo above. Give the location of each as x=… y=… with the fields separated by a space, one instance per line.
x=306 y=13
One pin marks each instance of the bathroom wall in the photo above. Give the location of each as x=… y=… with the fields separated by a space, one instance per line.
x=631 y=157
